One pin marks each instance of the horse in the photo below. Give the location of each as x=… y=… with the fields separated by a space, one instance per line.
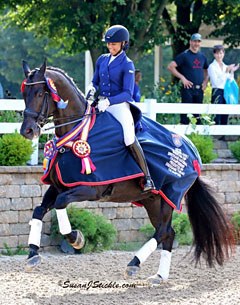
x=49 y=93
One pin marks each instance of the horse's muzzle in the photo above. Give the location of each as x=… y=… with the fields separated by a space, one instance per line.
x=30 y=129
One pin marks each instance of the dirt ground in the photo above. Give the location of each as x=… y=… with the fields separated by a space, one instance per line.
x=99 y=279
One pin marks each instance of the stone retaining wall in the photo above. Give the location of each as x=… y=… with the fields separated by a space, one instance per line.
x=21 y=191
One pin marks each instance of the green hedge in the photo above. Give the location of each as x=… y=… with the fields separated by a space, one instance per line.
x=204 y=145
x=15 y=150
x=235 y=149
x=99 y=233
x=181 y=226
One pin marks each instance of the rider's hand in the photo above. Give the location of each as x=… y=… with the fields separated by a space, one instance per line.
x=103 y=104
x=90 y=94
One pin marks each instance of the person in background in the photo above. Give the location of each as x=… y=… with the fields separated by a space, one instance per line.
x=114 y=80
x=191 y=67
x=218 y=73
x=136 y=89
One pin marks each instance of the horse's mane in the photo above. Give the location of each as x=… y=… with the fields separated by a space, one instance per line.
x=70 y=80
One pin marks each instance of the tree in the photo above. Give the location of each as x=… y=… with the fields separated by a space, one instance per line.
x=190 y=15
x=17 y=45
x=76 y=26
x=225 y=16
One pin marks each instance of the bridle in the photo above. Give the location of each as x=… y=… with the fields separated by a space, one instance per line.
x=41 y=116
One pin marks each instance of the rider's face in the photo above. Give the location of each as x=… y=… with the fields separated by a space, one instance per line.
x=114 y=47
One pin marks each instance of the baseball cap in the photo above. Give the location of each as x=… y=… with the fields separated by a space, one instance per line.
x=196 y=36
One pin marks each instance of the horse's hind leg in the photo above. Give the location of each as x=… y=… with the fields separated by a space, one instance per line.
x=34 y=238
x=164 y=234
x=161 y=219
x=165 y=258
x=153 y=207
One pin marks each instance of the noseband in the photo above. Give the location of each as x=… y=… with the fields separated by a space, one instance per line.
x=41 y=116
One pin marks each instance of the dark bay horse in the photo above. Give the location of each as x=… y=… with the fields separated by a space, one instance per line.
x=49 y=92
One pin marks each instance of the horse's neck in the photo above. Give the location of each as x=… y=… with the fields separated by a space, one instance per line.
x=75 y=104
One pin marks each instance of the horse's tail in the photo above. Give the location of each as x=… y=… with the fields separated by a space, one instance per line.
x=212 y=233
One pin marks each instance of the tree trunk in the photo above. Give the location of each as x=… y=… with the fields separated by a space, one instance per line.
x=188 y=20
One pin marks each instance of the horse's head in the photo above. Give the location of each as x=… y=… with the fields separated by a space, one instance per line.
x=36 y=96
x=46 y=92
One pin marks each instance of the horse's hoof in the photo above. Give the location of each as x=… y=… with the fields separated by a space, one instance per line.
x=33 y=262
x=155 y=280
x=132 y=271
x=79 y=242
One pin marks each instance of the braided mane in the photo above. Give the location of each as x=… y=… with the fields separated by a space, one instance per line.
x=69 y=79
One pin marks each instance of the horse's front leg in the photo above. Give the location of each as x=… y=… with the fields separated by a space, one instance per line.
x=77 y=194
x=34 y=238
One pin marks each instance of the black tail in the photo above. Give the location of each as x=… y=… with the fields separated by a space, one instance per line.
x=213 y=238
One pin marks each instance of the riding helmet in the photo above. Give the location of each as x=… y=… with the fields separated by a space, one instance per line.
x=116 y=33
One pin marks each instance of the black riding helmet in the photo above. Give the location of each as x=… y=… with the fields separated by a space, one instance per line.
x=117 y=33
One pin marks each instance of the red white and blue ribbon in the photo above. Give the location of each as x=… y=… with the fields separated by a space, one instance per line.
x=51 y=86
x=78 y=139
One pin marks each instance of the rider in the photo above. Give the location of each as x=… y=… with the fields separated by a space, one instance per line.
x=114 y=80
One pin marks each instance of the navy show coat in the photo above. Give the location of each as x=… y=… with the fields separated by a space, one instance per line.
x=115 y=80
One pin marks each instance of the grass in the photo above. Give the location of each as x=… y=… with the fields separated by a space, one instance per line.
x=20 y=250
x=127 y=246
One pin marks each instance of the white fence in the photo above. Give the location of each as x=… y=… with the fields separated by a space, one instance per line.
x=150 y=108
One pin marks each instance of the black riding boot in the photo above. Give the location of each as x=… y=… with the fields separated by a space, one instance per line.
x=138 y=155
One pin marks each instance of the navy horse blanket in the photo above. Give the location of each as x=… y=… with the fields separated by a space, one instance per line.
x=173 y=160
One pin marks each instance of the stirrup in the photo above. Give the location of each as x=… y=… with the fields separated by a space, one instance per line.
x=148 y=185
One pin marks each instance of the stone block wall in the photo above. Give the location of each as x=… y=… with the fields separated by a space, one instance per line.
x=21 y=191
x=225 y=178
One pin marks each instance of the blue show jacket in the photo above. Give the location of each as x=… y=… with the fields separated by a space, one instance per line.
x=115 y=80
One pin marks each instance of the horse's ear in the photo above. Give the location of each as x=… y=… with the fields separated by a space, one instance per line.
x=26 y=68
x=43 y=67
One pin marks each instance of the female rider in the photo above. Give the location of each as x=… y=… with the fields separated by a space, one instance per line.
x=114 y=80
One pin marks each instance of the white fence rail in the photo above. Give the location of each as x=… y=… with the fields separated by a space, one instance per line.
x=150 y=108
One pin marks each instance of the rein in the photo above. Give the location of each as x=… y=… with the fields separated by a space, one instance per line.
x=34 y=83
x=71 y=122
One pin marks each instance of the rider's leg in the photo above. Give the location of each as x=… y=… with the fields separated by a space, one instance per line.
x=123 y=114
x=138 y=155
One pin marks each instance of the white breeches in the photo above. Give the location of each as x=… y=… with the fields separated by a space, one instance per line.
x=123 y=115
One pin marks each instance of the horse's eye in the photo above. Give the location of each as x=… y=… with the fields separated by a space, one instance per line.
x=40 y=93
